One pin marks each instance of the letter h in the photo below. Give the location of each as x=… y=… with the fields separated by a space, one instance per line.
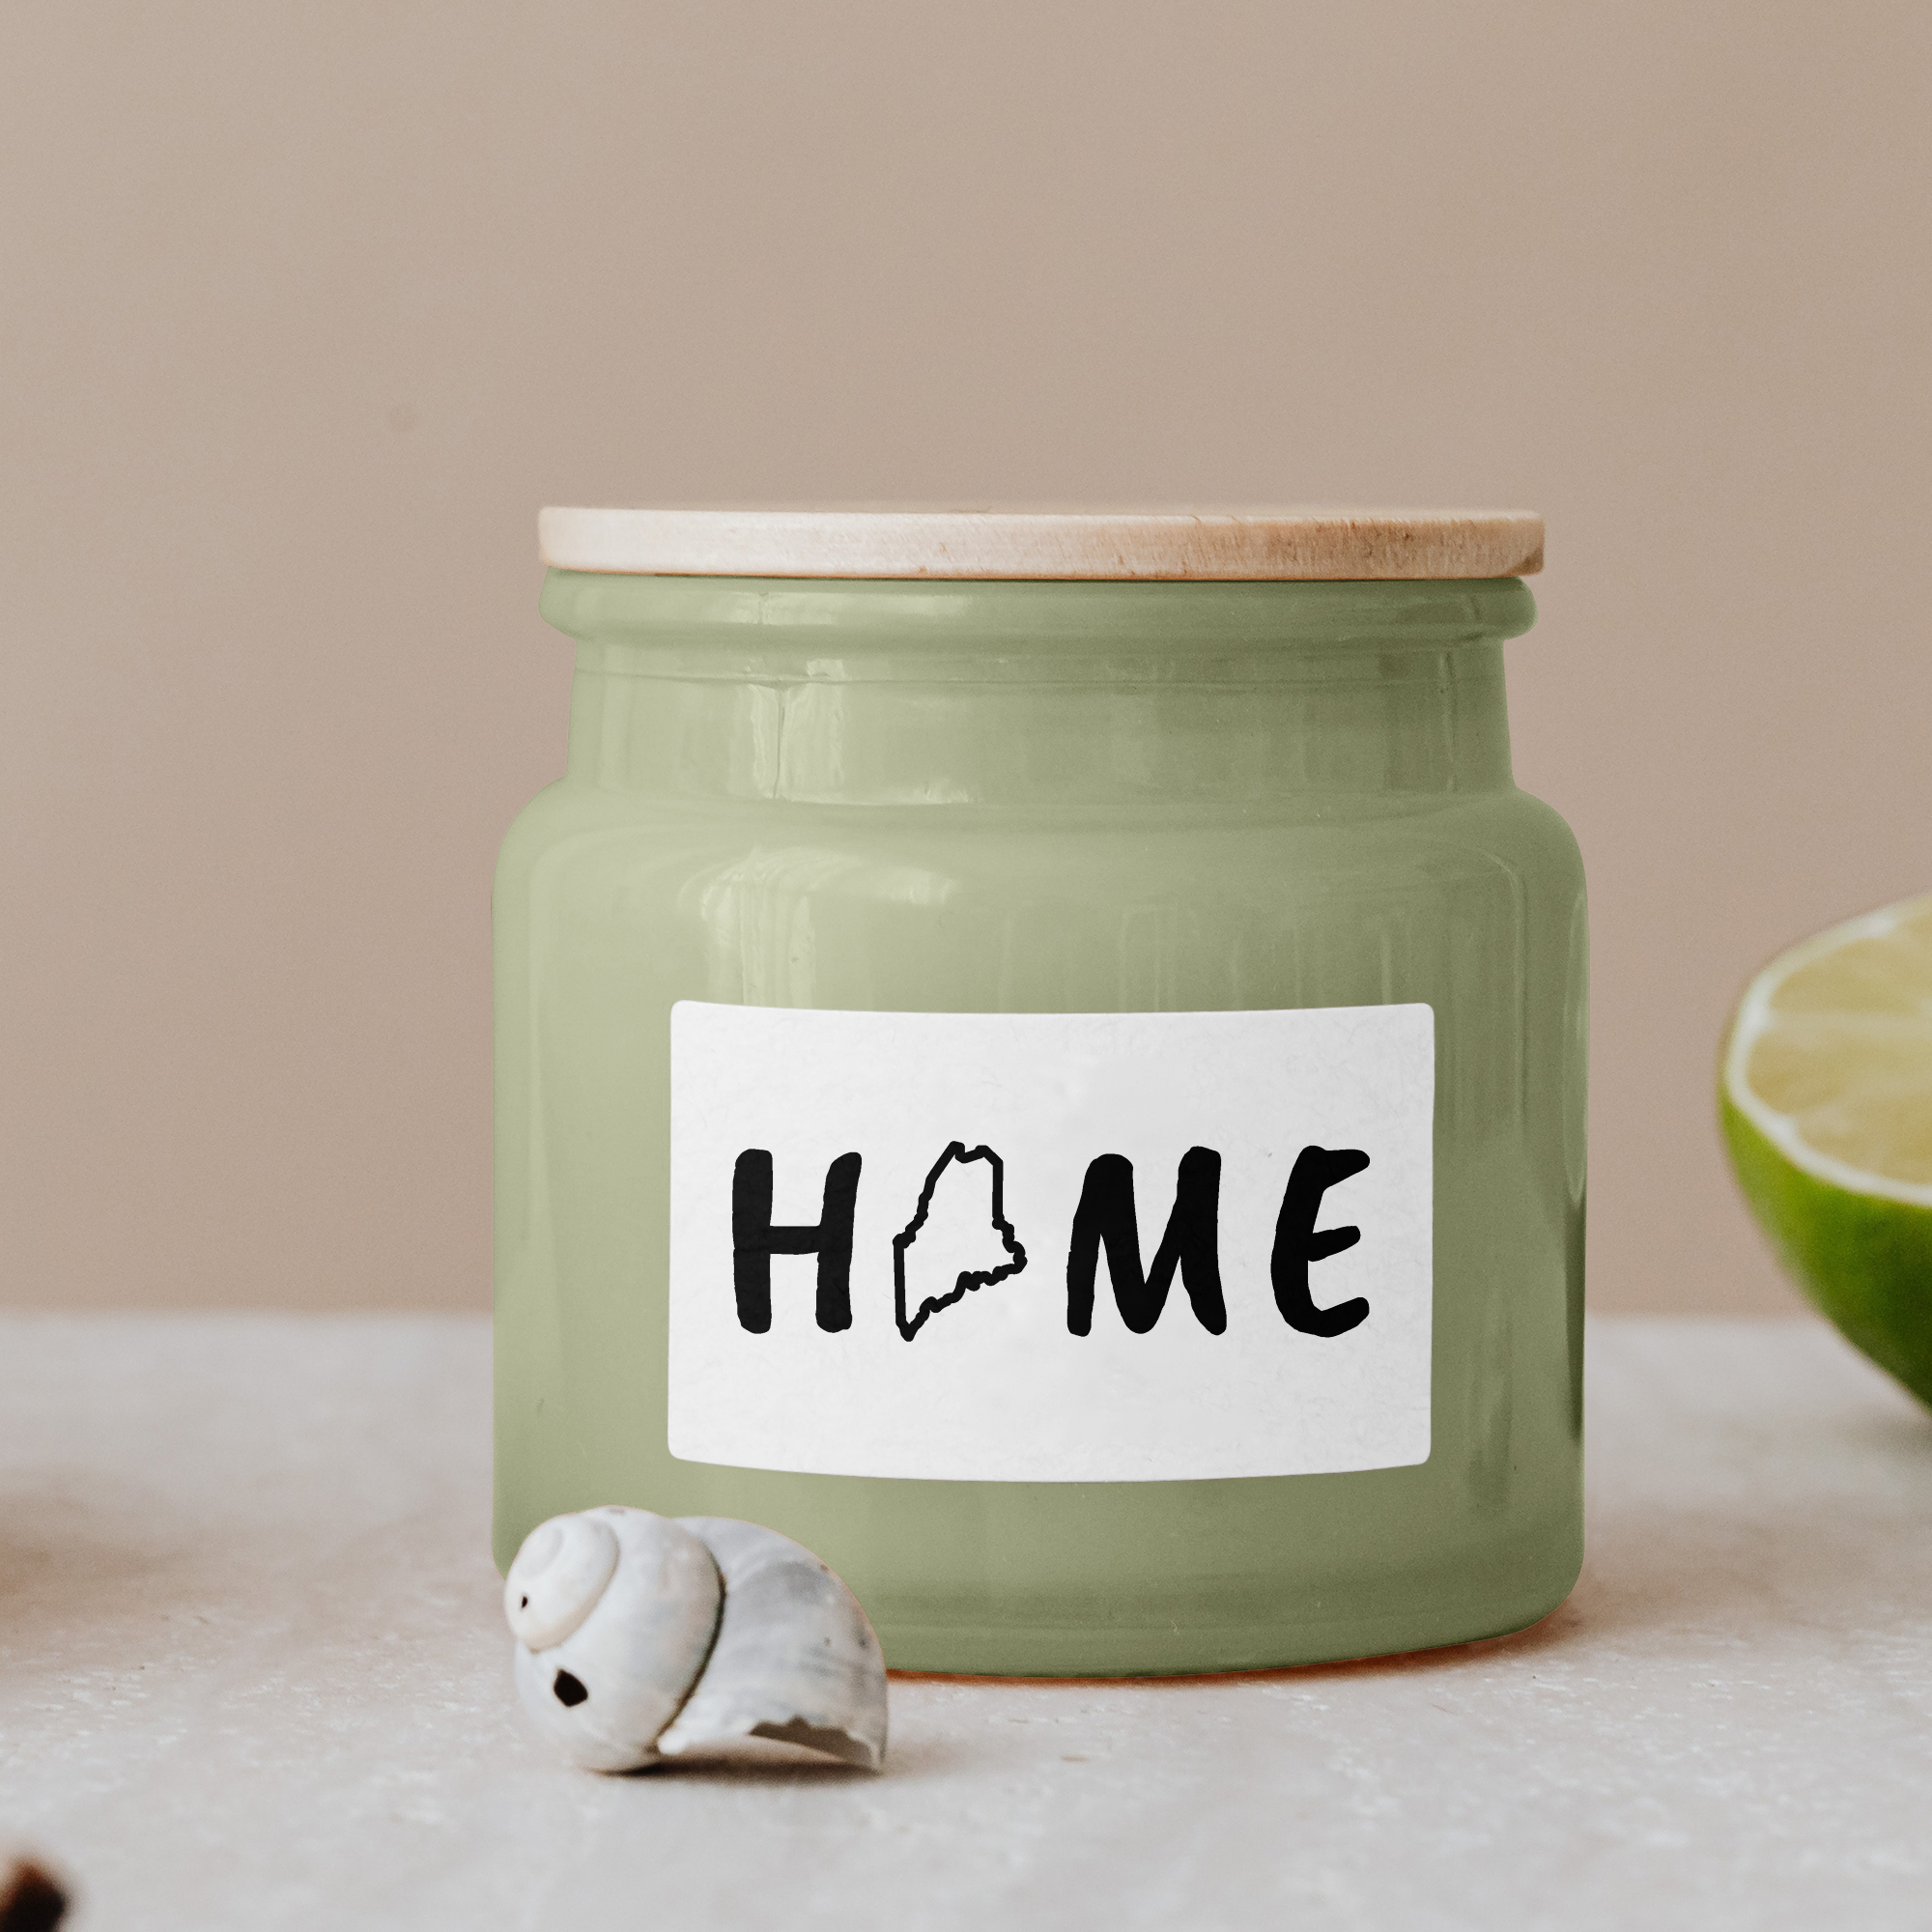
x=754 y=1240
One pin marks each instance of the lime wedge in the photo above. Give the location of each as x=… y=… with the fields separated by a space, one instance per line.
x=1826 y=1095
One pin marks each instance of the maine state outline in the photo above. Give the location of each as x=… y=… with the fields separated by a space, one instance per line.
x=959 y=1239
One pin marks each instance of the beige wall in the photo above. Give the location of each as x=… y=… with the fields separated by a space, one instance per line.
x=304 y=311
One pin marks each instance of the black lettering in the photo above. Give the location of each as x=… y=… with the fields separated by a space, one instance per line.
x=754 y=1240
x=1106 y=1216
x=1297 y=1243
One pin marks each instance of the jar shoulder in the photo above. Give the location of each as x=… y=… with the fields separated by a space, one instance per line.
x=582 y=827
x=1528 y=825
x=551 y=817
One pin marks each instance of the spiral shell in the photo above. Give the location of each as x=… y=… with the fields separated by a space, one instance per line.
x=634 y=1643
x=640 y=1638
x=559 y=1575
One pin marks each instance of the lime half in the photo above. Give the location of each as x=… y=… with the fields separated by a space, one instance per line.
x=1826 y=1093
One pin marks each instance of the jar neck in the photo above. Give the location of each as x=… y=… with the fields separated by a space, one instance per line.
x=1037 y=694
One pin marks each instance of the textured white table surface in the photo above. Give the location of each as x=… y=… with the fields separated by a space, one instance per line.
x=253 y=1673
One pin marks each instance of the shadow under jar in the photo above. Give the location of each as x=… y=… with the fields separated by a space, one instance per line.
x=1057 y=1081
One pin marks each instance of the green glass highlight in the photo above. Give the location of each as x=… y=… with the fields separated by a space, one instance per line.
x=1073 y=797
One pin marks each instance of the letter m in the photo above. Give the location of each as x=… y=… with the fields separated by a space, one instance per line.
x=1105 y=1218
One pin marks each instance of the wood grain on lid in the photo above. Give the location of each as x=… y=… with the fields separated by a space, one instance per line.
x=1228 y=546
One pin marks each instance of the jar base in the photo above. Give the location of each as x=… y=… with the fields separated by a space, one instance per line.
x=1044 y=1652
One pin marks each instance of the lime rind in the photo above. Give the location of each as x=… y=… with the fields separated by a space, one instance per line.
x=1756 y=1017
x=1860 y=1256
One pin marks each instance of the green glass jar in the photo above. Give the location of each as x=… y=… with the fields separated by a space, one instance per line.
x=1044 y=1058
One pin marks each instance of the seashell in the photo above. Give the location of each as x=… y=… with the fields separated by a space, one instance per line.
x=640 y=1638
x=634 y=1643
x=557 y=1578
x=795 y=1658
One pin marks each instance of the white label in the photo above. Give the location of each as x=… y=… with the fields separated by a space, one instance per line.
x=989 y=1318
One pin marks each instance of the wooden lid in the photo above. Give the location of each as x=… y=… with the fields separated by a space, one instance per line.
x=1230 y=545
